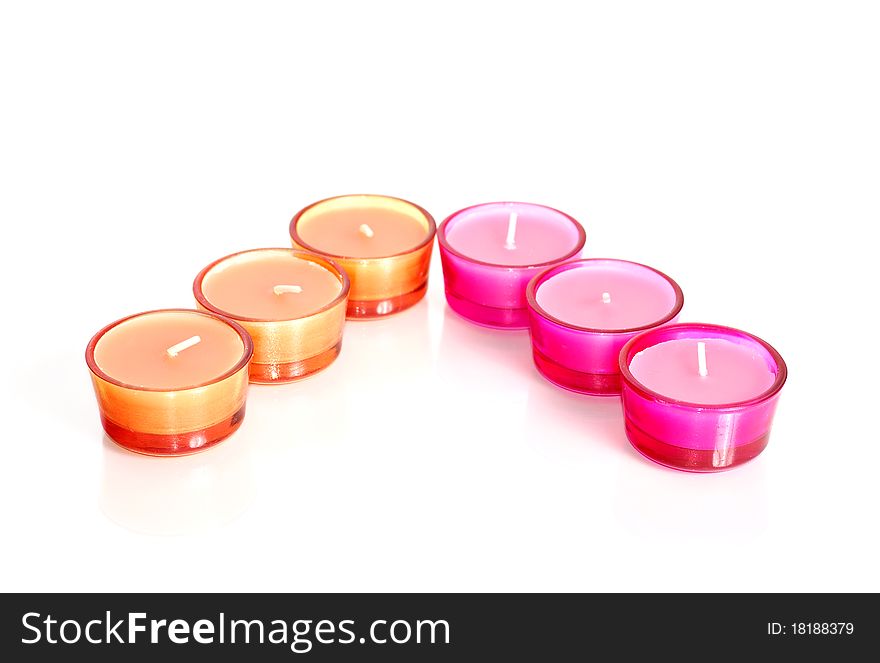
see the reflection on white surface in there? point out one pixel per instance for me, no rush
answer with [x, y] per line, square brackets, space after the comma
[175, 496]
[480, 373]
[653, 500]
[398, 345]
[472, 352]
[501, 362]
[561, 414]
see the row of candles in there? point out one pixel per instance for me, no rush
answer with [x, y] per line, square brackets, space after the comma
[696, 397]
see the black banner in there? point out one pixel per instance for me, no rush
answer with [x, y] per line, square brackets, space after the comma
[444, 627]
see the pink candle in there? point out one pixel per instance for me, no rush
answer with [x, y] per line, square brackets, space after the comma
[490, 252]
[582, 312]
[700, 397]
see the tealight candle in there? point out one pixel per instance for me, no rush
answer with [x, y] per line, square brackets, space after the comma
[700, 397]
[292, 304]
[491, 251]
[383, 243]
[170, 382]
[581, 313]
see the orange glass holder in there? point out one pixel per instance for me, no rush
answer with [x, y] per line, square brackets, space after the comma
[171, 422]
[289, 350]
[383, 285]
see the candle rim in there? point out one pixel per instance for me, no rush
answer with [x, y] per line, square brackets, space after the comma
[320, 260]
[247, 351]
[631, 381]
[431, 230]
[539, 279]
[444, 243]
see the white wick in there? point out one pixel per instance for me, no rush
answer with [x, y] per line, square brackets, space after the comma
[701, 359]
[175, 350]
[366, 231]
[510, 242]
[606, 297]
[284, 289]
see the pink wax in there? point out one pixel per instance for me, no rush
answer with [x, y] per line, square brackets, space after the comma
[541, 234]
[490, 252]
[734, 372]
[609, 295]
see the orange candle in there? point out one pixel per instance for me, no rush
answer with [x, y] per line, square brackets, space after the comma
[292, 303]
[383, 243]
[170, 382]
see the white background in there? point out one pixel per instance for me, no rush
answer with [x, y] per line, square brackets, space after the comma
[734, 146]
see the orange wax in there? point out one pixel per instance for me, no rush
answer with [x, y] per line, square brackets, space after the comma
[134, 352]
[384, 244]
[359, 227]
[270, 285]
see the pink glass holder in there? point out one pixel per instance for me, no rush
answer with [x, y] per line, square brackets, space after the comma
[691, 436]
[579, 358]
[488, 294]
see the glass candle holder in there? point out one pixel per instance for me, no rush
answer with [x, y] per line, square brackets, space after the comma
[384, 244]
[581, 313]
[170, 382]
[292, 304]
[490, 252]
[699, 397]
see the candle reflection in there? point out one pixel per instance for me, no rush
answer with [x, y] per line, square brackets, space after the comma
[174, 496]
[398, 351]
[494, 363]
[554, 413]
[727, 505]
[482, 353]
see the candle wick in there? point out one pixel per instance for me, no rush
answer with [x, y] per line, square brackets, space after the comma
[366, 231]
[701, 359]
[510, 242]
[175, 350]
[606, 297]
[284, 289]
